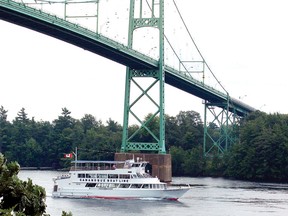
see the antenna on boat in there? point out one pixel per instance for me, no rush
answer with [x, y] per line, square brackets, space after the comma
[75, 153]
[76, 158]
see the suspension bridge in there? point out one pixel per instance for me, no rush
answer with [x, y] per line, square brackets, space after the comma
[132, 33]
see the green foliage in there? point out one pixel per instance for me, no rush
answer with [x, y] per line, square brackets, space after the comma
[21, 197]
[43, 144]
[187, 163]
[215, 166]
[66, 214]
[260, 153]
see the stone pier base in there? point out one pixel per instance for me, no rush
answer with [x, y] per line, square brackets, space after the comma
[161, 163]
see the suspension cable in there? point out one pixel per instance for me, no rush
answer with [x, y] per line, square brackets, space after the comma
[197, 46]
[175, 53]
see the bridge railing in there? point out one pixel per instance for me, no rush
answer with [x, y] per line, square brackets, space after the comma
[147, 61]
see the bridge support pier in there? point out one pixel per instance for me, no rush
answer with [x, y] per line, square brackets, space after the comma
[161, 163]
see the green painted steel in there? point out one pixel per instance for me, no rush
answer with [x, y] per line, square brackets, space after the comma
[62, 29]
[224, 132]
[130, 140]
[139, 66]
[84, 15]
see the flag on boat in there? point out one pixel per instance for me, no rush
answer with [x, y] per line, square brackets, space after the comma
[70, 155]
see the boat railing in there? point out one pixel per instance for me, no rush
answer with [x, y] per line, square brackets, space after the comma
[86, 166]
[106, 165]
[73, 168]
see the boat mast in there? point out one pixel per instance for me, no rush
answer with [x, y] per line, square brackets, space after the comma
[76, 158]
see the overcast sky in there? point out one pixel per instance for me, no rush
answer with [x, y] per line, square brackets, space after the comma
[244, 42]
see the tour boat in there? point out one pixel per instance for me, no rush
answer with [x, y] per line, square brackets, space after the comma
[128, 179]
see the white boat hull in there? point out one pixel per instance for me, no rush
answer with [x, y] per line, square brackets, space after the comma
[94, 193]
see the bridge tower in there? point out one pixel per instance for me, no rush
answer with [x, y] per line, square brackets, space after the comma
[131, 142]
[222, 131]
[152, 150]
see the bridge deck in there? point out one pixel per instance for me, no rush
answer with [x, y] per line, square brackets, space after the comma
[74, 34]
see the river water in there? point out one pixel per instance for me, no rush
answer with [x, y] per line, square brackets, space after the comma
[207, 197]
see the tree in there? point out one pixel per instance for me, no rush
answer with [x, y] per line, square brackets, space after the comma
[21, 197]
[263, 149]
[19, 134]
[172, 131]
[4, 129]
[194, 163]
[42, 134]
[178, 156]
[62, 135]
[88, 122]
[190, 129]
[113, 126]
[64, 121]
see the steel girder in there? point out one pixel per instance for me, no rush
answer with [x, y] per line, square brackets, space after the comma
[222, 131]
[129, 141]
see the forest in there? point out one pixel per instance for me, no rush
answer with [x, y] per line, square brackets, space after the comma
[260, 153]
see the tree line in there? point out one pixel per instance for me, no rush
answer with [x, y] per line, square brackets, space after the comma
[260, 154]
[18, 197]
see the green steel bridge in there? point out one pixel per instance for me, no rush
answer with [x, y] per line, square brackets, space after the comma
[30, 14]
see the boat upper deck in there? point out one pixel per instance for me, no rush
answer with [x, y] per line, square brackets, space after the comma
[81, 165]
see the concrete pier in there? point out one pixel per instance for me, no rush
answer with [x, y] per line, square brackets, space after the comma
[161, 163]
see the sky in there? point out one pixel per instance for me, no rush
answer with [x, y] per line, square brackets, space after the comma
[244, 43]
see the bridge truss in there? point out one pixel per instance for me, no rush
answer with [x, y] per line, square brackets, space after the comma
[143, 14]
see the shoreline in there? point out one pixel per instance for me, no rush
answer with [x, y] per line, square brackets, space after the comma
[37, 168]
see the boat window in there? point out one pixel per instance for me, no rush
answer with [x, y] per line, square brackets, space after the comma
[103, 185]
[55, 188]
[90, 185]
[113, 176]
[101, 175]
[156, 186]
[113, 185]
[135, 165]
[136, 185]
[124, 185]
[124, 176]
[145, 186]
[81, 175]
[90, 176]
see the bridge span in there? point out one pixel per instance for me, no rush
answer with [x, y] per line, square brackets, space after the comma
[138, 65]
[39, 21]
